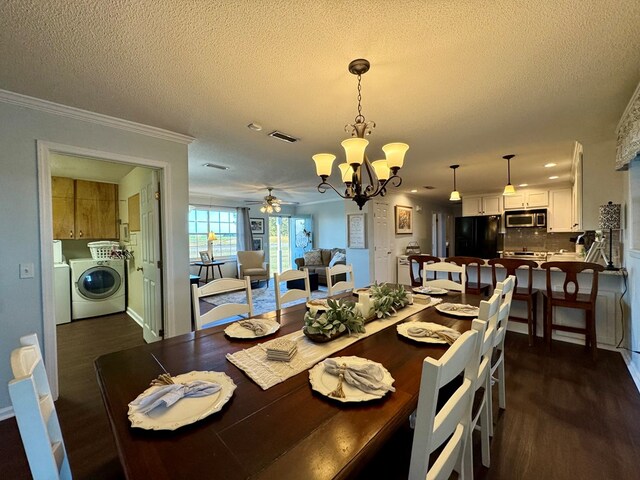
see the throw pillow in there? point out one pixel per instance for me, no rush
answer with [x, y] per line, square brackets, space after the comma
[312, 257]
[338, 258]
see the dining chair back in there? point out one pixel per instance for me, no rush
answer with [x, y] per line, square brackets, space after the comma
[416, 264]
[291, 294]
[342, 285]
[525, 293]
[571, 297]
[451, 422]
[36, 413]
[448, 283]
[225, 310]
[472, 265]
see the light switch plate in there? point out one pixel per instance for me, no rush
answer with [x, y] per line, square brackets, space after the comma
[26, 270]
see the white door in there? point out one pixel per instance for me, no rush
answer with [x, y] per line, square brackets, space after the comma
[381, 242]
[151, 259]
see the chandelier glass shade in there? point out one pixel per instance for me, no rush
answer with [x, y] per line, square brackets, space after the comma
[455, 194]
[509, 189]
[362, 179]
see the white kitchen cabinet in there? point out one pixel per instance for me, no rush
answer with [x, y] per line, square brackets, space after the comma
[481, 205]
[560, 212]
[524, 199]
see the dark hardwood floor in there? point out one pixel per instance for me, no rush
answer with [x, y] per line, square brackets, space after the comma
[566, 417]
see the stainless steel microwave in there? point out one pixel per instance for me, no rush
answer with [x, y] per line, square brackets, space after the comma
[525, 218]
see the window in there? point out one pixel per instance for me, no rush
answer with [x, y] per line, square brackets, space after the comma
[219, 220]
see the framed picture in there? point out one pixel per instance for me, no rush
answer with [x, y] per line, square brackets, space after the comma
[404, 219]
[356, 230]
[257, 243]
[257, 225]
[204, 256]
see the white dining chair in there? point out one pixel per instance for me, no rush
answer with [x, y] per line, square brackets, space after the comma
[449, 426]
[505, 289]
[226, 310]
[36, 413]
[291, 294]
[450, 269]
[480, 418]
[341, 285]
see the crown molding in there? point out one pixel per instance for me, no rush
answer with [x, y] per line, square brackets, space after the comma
[97, 118]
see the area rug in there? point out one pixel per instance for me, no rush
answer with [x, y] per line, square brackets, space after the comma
[264, 298]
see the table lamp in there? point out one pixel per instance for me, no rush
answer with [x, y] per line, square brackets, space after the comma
[610, 219]
[210, 239]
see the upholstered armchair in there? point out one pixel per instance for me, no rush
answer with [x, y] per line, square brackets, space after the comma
[252, 263]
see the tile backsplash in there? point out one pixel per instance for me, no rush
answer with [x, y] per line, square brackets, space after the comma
[538, 239]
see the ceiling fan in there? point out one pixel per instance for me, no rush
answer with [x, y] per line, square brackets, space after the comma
[270, 203]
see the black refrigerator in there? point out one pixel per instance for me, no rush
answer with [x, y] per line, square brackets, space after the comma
[477, 236]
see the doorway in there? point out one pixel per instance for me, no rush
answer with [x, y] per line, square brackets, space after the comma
[279, 235]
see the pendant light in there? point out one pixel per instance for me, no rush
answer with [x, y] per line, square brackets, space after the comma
[455, 194]
[509, 189]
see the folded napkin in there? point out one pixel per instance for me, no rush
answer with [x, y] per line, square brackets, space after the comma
[167, 395]
[367, 377]
[256, 326]
[447, 334]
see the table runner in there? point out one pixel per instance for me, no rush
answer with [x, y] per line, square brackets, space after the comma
[253, 361]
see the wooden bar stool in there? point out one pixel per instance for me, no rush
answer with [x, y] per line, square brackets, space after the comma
[571, 297]
[525, 293]
[476, 287]
[420, 260]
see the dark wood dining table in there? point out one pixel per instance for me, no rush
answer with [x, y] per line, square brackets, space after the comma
[287, 431]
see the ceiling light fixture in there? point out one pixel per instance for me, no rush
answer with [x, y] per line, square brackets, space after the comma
[549, 165]
[455, 194]
[379, 173]
[509, 189]
[271, 203]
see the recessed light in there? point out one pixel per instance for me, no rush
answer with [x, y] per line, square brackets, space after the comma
[549, 165]
[414, 191]
[553, 177]
[254, 126]
[523, 185]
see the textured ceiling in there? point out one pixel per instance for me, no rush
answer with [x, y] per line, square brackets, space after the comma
[459, 81]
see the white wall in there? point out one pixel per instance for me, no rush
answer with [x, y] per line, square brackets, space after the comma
[21, 305]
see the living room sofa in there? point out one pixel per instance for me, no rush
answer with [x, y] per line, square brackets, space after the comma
[317, 261]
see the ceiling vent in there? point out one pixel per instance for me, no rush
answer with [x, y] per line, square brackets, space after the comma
[213, 165]
[283, 136]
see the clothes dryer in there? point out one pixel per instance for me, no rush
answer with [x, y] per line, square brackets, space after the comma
[97, 287]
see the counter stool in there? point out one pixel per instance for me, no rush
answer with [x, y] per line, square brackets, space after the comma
[571, 298]
[420, 260]
[525, 293]
[476, 287]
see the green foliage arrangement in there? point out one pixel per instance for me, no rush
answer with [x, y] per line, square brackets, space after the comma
[339, 318]
[387, 299]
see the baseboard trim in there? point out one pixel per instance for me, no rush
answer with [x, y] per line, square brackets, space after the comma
[634, 369]
[135, 317]
[6, 413]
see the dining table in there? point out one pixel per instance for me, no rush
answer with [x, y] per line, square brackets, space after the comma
[287, 431]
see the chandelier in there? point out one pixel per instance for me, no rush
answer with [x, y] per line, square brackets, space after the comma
[270, 203]
[363, 179]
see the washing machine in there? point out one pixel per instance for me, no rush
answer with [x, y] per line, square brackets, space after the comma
[97, 287]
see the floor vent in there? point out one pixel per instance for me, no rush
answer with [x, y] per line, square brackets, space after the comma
[283, 136]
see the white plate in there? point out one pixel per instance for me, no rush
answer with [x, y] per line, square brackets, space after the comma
[325, 383]
[186, 410]
[450, 309]
[404, 327]
[430, 290]
[235, 330]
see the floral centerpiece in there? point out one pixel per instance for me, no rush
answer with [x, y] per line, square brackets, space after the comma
[338, 318]
[388, 299]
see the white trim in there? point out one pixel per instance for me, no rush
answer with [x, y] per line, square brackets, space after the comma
[6, 413]
[135, 317]
[634, 370]
[79, 114]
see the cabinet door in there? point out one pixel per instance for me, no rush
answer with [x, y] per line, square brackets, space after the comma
[514, 202]
[96, 214]
[62, 203]
[538, 199]
[471, 206]
[491, 205]
[560, 213]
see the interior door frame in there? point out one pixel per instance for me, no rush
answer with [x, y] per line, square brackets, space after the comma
[44, 150]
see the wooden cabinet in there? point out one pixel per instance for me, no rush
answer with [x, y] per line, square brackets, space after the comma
[481, 205]
[560, 212]
[84, 210]
[524, 199]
